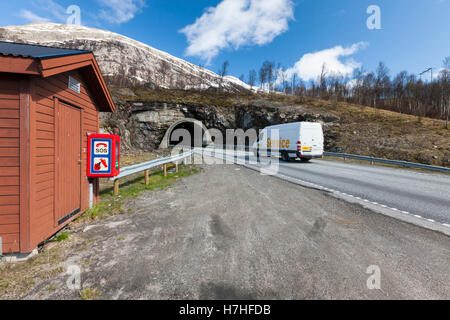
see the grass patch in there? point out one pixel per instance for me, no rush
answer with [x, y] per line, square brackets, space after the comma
[89, 294]
[111, 205]
[130, 159]
[62, 236]
[103, 209]
[17, 278]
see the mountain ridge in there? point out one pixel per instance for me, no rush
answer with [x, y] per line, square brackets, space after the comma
[123, 61]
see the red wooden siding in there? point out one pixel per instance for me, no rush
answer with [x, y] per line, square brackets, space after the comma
[9, 163]
[48, 96]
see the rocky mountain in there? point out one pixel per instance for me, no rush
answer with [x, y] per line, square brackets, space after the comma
[123, 61]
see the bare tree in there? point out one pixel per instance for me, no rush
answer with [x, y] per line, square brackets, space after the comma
[282, 80]
[251, 78]
[269, 68]
[262, 76]
[398, 88]
[223, 71]
[403, 93]
[382, 82]
[294, 83]
[358, 76]
[323, 81]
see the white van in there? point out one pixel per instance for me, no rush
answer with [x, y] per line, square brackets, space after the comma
[302, 140]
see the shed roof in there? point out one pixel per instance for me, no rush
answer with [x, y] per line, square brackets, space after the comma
[36, 60]
[35, 51]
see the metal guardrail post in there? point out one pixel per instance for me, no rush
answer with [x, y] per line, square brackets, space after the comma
[165, 169]
[91, 193]
[147, 180]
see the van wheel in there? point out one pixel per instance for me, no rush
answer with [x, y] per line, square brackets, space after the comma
[285, 156]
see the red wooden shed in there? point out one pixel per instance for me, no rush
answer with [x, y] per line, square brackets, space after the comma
[50, 99]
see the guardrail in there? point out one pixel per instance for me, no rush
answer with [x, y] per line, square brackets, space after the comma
[146, 166]
[387, 161]
[363, 158]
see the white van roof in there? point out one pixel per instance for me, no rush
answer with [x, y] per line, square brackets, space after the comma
[296, 124]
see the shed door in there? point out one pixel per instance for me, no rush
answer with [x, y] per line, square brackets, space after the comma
[68, 163]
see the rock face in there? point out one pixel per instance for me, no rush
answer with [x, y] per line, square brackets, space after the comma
[143, 125]
[123, 61]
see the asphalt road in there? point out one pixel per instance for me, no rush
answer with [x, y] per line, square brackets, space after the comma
[231, 233]
[415, 192]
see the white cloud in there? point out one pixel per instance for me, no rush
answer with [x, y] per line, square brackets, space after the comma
[120, 11]
[55, 9]
[234, 23]
[310, 65]
[113, 11]
[32, 17]
[53, 12]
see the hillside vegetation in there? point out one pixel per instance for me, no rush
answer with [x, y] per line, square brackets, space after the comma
[358, 130]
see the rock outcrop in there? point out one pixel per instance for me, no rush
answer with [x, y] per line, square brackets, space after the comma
[143, 124]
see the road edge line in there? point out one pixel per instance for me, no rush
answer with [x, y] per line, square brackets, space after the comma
[377, 208]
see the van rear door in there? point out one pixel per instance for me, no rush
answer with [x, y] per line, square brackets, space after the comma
[312, 139]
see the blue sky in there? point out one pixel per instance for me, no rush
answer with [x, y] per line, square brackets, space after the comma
[301, 35]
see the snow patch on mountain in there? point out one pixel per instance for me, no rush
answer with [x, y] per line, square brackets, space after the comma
[123, 61]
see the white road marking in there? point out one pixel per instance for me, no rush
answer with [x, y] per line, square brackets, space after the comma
[365, 200]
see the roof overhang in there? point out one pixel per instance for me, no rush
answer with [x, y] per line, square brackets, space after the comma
[51, 66]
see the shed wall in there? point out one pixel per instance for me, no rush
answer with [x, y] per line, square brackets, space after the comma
[46, 94]
[9, 162]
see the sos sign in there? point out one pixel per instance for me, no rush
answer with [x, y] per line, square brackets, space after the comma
[103, 155]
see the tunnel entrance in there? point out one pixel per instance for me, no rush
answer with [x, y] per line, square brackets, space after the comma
[184, 132]
[177, 136]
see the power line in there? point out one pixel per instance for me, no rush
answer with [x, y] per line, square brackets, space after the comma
[429, 69]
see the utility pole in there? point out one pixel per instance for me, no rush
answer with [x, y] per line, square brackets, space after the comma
[429, 69]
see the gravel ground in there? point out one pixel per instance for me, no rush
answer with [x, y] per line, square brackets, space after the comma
[231, 233]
